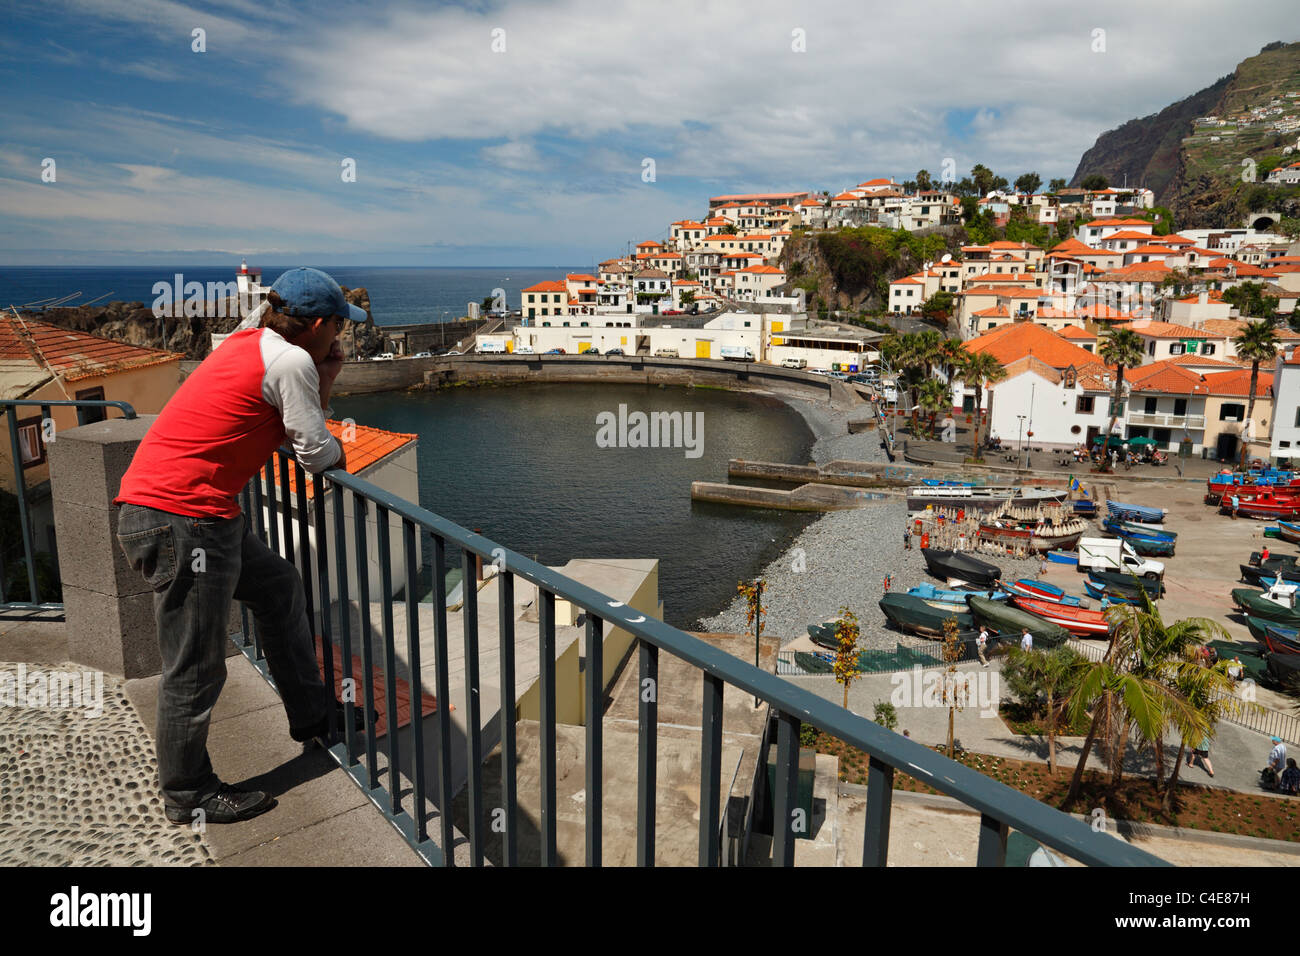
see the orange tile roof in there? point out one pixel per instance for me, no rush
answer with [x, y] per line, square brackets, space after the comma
[1164, 376]
[1150, 250]
[1074, 332]
[1212, 295]
[1117, 222]
[1031, 364]
[1008, 343]
[993, 312]
[367, 447]
[1129, 234]
[1013, 293]
[551, 285]
[1164, 330]
[579, 277]
[1137, 272]
[1173, 239]
[846, 197]
[73, 356]
[764, 270]
[1201, 361]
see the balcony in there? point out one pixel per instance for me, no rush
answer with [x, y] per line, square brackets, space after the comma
[1160, 420]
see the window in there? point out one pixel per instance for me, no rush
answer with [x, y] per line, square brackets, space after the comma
[1177, 348]
[1150, 407]
[1284, 444]
[1151, 348]
[86, 416]
[1232, 413]
[1083, 404]
[30, 445]
[1180, 406]
[1297, 418]
[1207, 348]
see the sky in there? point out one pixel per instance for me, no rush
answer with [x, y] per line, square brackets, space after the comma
[536, 133]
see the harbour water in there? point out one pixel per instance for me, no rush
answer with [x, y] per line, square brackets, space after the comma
[398, 296]
[523, 465]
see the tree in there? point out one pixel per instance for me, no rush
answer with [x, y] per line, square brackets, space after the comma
[1056, 185]
[1000, 184]
[965, 187]
[923, 180]
[979, 369]
[1123, 349]
[1209, 691]
[1094, 182]
[935, 397]
[846, 651]
[1249, 300]
[1050, 673]
[983, 178]
[952, 354]
[1028, 183]
[728, 230]
[955, 692]
[938, 306]
[1257, 343]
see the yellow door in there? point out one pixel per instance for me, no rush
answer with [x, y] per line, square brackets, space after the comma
[583, 346]
[510, 345]
[778, 326]
[622, 340]
[703, 348]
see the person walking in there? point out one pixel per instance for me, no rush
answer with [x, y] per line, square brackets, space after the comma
[262, 387]
[907, 538]
[1202, 751]
[1277, 756]
[1026, 641]
[1235, 503]
[1263, 555]
[1290, 782]
[981, 645]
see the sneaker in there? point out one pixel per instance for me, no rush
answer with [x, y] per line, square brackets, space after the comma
[227, 805]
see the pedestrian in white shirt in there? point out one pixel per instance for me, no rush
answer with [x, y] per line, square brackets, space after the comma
[1026, 641]
[981, 644]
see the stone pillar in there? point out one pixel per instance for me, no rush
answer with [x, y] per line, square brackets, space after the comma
[108, 606]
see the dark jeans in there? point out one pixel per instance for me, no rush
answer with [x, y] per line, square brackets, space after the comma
[196, 567]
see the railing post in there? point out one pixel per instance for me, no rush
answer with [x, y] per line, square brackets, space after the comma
[412, 567]
[993, 842]
[367, 651]
[787, 768]
[442, 682]
[473, 734]
[345, 619]
[880, 800]
[647, 742]
[509, 797]
[710, 769]
[595, 715]
[546, 683]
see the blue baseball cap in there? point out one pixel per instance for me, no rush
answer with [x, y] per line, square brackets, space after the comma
[310, 293]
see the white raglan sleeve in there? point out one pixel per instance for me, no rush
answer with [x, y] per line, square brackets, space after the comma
[292, 386]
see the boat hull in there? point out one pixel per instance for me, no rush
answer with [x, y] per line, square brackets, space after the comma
[1147, 546]
[1288, 532]
[1139, 514]
[1281, 640]
[1120, 528]
[1076, 620]
[1103, 592]
[909, 613]
[1041, 591]
[981, 499]
[957, 566]
[1256, 605]
[1012, 620]
[1030, 540]
[1264, 577]
[1127, 583]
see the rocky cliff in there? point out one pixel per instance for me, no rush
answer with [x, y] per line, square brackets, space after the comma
[134, 323]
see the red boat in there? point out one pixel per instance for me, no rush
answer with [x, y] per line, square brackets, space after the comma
[1076, 620]
[1267, 505]
[1215, 490]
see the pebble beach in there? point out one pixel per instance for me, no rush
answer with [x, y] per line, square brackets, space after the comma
[842, 558]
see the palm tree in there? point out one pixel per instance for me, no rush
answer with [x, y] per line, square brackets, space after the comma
[934, 397]
[952, 353]
[1052, 672]
[1257, 342]
[1209, 691]
[979, 369]
[1123, 349]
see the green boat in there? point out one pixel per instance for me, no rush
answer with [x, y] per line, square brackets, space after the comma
[910, 613]
[1012, 620]
[1257, 625]
[1257, 604]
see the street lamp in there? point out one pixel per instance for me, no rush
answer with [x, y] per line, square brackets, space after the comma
[1020, 430]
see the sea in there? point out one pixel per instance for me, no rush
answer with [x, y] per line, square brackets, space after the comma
[398, 295]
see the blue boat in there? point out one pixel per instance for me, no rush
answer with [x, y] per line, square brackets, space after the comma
[1042, 591]
[1289, 531]
[1063, 557]
[928, 592]
[1085, 508]
[1108, 597]
[1121, 528]
[1137, 513]
[941, 483]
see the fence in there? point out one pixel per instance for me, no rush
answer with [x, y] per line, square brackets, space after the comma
[40, 433]
[999, 806]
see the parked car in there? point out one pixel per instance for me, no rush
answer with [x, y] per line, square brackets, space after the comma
[840, 375]
[422, 355]
[554, 352]
[666, 353]
[592, 352]
[525, 350]
[794, 363]
[383, 357]
[671, 312]
[615, 351]
[455, 352]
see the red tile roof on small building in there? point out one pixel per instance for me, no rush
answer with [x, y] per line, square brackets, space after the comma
[70, 355]
[1008, 343]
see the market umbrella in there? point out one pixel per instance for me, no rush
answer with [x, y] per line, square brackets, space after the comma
[1143, 441]
[1115, 441]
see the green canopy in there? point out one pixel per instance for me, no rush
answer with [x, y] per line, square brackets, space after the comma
[1115, 441]
[1143, 441]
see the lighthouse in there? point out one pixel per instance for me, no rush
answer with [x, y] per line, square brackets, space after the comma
[248, 281]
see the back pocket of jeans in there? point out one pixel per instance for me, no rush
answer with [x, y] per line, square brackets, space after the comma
[153, 554]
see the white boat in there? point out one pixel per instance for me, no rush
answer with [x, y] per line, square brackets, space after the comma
[981, 498]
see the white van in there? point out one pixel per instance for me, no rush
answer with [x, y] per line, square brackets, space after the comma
[491, 348]
[666, 353]
[525, 350]
[383, 357]
[794, 363]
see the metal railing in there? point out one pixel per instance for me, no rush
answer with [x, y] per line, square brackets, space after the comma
[46, 433]
[1000, 807]
[1166, 420]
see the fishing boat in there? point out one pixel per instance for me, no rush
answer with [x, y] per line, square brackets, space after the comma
[1147, 545]
[1266, 504]
[1281, 640]
[1076, 620]
[1263, 577]
[909, 613]
[1128, 582]
[1012, 620]
[1273, 562]
[982, 498]
[823, 634]
[1119, 527]
[1041, 535]
[1276, 605]
[1085, 508]
[1041, 590]
[928, 592]
[941, 483]
[1288, 531]
[957, 567]
[1112, 595]
[1138, 514]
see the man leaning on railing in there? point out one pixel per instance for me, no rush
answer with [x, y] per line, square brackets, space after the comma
[182, 528]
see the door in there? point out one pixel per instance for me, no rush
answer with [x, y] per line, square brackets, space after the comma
[703, 348]
[1094, 431]
[1227, 447]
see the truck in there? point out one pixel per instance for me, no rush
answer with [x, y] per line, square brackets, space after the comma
[488, 348]
[737, 353]
[1115, 554]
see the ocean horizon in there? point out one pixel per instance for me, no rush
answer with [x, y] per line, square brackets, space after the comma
[399, 295]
